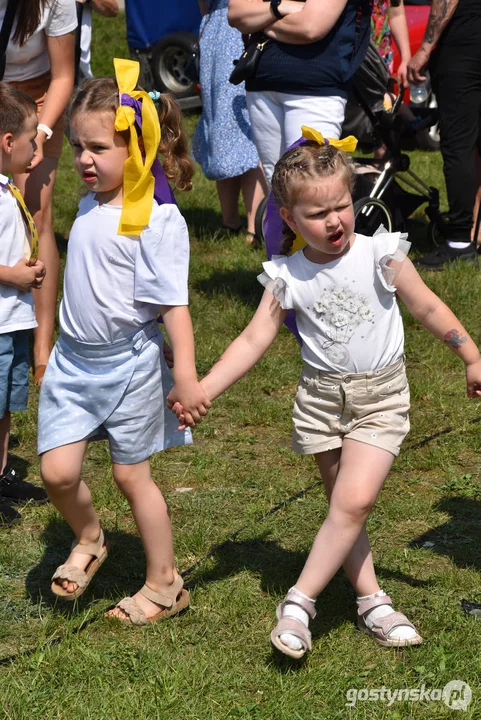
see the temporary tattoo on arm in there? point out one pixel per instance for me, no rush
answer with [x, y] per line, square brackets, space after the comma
[439, 17]
[454, 339]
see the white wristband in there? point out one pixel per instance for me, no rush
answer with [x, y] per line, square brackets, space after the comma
[48, 131]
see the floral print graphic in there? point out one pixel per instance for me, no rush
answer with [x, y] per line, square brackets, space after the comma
[341, 313]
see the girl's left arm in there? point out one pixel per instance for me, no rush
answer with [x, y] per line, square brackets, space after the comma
[61, 52]
[430, 311]
[187, 389]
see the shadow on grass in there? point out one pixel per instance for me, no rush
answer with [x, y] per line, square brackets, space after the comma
[238, 283]
[121, 575]
[202, 221]
[456, 538]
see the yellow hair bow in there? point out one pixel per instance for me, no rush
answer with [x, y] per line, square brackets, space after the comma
[347, 144]
[138, 179]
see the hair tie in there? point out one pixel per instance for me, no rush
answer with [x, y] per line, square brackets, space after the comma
[155, 95]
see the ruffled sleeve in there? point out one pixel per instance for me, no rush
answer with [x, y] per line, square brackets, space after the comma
[275, 279]
[390, 250]
[162, 262]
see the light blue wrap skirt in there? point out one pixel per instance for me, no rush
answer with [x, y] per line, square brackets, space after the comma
[115, 391]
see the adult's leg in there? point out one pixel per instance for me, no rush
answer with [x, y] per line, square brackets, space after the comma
[267, 121]
[228, 191]
[60, 469]
[152, 519]
[325, 114]
[458, 92]
[254, 188]
[37, 188]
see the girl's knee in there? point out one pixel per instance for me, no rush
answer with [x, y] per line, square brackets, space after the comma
[125, 478]
[58, 477]
[354, 510]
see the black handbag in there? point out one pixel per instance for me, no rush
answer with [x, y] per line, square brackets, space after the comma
[7, 25]
[246, 65]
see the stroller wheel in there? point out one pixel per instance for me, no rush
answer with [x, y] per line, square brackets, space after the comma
[434, 233]
[370, 214]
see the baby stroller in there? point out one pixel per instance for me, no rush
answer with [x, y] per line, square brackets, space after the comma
[387, 190]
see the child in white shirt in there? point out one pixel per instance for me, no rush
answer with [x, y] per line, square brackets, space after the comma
[352, 403]
[106, 377]
[19, 272]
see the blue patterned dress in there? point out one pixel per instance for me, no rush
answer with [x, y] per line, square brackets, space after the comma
[223, 144]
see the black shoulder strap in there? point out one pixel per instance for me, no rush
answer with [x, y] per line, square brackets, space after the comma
[7, 26]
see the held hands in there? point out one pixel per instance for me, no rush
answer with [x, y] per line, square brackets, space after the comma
[189, 402]
[473, 379]
[27, 274]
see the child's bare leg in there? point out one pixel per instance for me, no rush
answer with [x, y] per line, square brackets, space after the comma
[60, 469]
[152, 519]
[4, 438]
[362, 471]
[358, 565]
[353, 479]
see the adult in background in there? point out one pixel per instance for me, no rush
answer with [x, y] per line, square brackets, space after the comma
[108, 8]
[223, 144]
[40, 62]
[305, 70]
[388, 21]
[451, 47]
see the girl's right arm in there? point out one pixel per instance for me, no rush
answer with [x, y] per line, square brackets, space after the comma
[243, 353]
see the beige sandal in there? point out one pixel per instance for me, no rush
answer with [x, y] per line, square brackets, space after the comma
[173, 600]
[99, 552]
[383, 627]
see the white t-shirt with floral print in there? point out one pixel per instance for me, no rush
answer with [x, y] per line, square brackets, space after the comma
[346, 310]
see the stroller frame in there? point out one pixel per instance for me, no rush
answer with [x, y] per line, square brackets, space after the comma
[391, 201]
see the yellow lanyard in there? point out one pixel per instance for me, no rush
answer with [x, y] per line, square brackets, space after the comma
[27, 217]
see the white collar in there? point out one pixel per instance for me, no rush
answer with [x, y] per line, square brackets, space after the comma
[4, 180]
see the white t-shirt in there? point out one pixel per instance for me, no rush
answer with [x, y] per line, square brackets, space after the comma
[16, 307]
[346, 310]
[114, 284]
[59, 17]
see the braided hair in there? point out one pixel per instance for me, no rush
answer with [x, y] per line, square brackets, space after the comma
[296, 168]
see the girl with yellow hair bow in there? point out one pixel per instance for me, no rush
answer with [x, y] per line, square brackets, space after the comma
[107, 378]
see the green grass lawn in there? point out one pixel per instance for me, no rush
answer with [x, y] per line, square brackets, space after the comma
[245, 509]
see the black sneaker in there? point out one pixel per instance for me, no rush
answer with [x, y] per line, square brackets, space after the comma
[8, 516]
[446, 255]
[15, 490]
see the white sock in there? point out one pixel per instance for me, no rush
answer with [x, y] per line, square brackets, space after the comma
[403, 632]
[458, 244]
[295, 611]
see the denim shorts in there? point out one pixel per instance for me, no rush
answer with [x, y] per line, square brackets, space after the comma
[371, 407]
[14, 369]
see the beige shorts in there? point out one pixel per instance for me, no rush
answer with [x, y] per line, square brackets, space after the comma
[371, 407]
